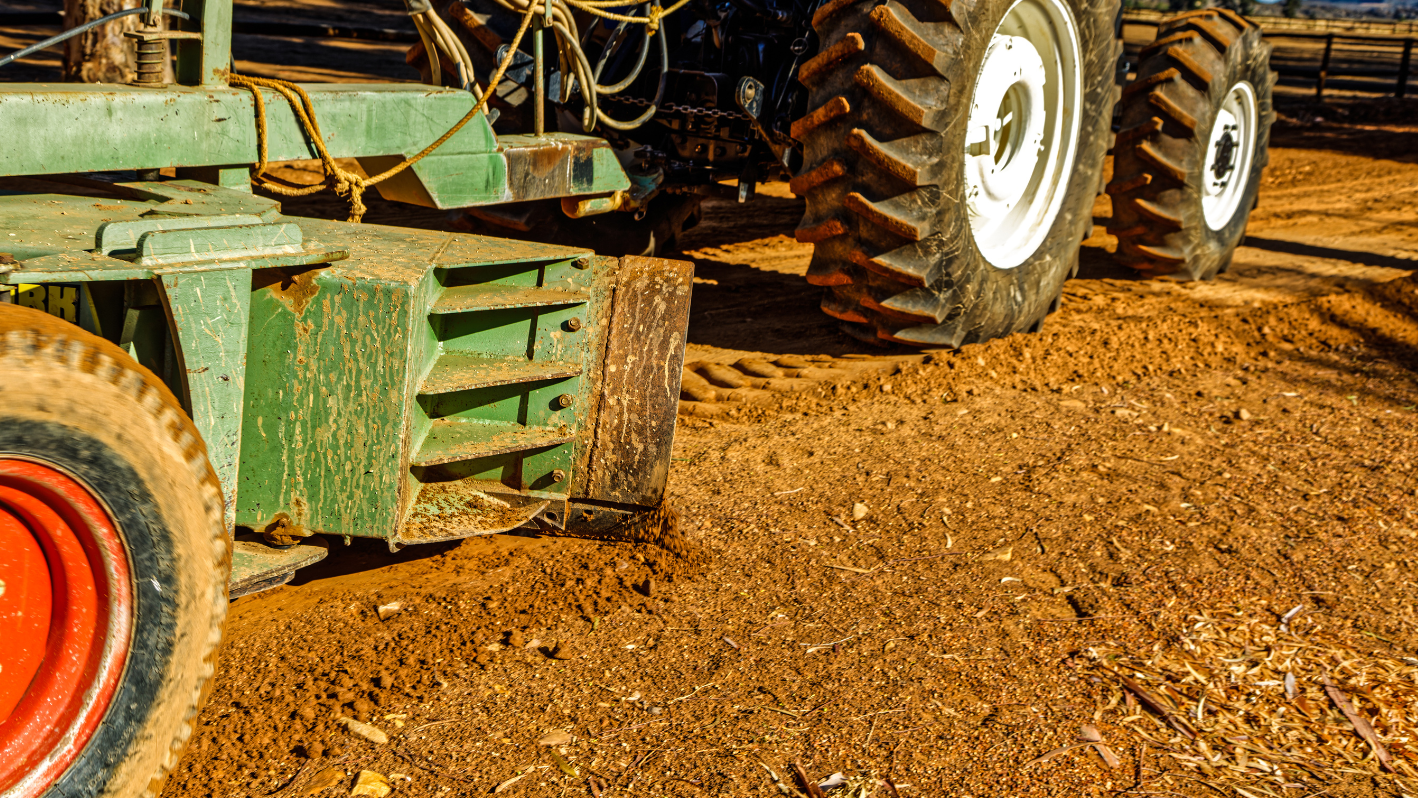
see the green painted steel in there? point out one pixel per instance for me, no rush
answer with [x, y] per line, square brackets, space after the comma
[208, 311]
[89, 128]
[409, 385]
[348, 379]
[205, 62]
[202, 123]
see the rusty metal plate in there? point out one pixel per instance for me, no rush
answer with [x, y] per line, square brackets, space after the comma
[635, 422]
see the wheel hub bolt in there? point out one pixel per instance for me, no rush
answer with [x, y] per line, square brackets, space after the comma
[573, 324]
[565, 400]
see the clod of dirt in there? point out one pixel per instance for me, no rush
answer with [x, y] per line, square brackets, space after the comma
[557, 737]
[646, 588]
[368, 732]
[859, 511]
[371, 785]
[561, 651]
[324, 780]
[387, 611]
[515, 639]
[1001, 554]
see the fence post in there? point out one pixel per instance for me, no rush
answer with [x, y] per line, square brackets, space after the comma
[1324, 66]
[1403, 68]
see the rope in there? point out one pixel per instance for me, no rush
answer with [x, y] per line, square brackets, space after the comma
[351, 185]
[652, 20]
[346, 184]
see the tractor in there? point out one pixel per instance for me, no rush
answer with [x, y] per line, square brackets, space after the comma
[200, 394]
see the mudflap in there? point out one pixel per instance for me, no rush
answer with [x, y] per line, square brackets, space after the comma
[628, 463]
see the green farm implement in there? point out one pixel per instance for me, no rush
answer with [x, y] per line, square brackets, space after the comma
[195, 388]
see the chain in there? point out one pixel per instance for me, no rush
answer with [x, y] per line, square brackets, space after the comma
[682, 109]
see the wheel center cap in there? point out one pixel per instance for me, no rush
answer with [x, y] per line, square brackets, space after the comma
[1006, 127]
[1225, 155]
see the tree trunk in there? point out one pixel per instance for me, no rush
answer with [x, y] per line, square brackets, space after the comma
[102, 55]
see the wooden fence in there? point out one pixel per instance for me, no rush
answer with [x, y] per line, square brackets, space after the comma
[1365, 63]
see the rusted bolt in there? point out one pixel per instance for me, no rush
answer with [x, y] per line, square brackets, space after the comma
[558, 476]
[573, 324]
[583, 262]
[565, 400]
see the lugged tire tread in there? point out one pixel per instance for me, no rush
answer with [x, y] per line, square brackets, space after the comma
[33, 340]
[831, 170]
[850, 45]
[1193, 55]
[888, 267]
[1171, 110]
[1188, 65]
[828, 111]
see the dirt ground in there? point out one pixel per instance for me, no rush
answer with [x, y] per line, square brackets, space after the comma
[1179, 506]
[934, 575]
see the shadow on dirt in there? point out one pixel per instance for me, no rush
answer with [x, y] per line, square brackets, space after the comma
[276, 56]
[738, 306]
[1348, 128]
[1096, 263]
[1372, 325]
[364, 555]
[1348, 255]
[724, 222]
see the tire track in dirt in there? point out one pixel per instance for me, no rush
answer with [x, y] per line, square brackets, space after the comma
[1160, 450]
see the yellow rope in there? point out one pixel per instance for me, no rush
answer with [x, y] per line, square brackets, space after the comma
[345, 183]
[652, 19]
[351, 185]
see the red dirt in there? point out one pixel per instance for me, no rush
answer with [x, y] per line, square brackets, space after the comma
[1159, 451]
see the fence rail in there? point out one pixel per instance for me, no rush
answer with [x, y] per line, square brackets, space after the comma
[1380, 64]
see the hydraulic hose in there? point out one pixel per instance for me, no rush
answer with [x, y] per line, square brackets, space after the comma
[659, 91]
[634, 73]
[72, 32]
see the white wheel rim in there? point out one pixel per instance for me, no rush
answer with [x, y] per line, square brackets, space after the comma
[1229, 153]
[1022, 135]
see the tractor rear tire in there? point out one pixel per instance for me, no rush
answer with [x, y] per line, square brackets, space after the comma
[111, 522]
[952, 156]
[1194, 138]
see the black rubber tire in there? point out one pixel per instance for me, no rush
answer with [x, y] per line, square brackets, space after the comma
[883, 170]
[75, 401]
[1166, 119]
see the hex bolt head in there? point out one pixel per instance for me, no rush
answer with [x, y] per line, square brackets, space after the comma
[558, 476]
[583, 262]
[573, 324]
[565, 400]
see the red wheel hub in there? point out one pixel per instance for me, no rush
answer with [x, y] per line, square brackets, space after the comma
[65, 618]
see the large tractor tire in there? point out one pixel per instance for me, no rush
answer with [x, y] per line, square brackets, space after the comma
[114, 561]
[1194, 138]
[952, 155]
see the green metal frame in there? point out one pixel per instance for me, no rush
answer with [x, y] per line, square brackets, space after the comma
[350, 379]
[364, 380]
[201, 121]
